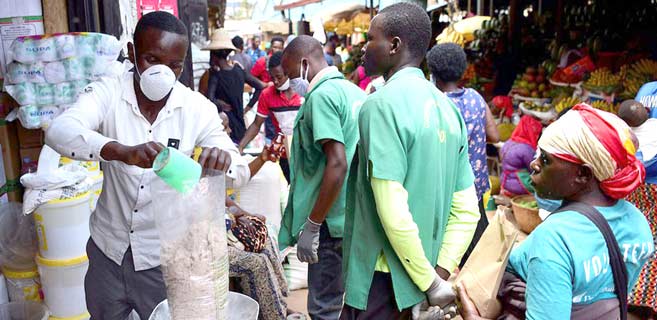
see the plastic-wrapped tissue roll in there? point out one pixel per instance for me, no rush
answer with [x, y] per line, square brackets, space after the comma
[24, 50]
[55, 72]
[45, 93]
[74, 69]
[29, 116]
[24, 93]
[16, 72]
[108, 47]
[86, 44]
[65, 93]
[65, 45]
[46, 50]
[33, 117]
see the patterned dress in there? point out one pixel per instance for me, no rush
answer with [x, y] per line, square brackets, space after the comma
[473, 110]
[261, 277]
[644, 293]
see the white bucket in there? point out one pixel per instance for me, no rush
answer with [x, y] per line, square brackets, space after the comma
[23, 285]
[63, 286]
[23, 311]
[63, 227]
[84, 316]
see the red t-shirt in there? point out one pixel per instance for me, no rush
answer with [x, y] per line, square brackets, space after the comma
[260, 70]
[284, 110]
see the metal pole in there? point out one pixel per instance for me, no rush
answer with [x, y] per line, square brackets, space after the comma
[480, 7]
[371, 9]
[491, 8]
[469, 6]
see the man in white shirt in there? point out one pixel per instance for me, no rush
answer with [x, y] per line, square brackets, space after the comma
[124, 122]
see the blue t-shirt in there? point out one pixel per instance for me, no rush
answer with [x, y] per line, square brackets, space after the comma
[565, 259]
[647, 95]
[473, 109]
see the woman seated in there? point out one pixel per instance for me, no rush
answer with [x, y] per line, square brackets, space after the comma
[255, 262]
[563, 268]
[517, 153]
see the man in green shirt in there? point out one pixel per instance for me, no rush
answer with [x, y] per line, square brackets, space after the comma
[323, 145]
[412, 207]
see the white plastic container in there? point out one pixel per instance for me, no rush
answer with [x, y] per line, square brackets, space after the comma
[62, 283]
[63, 227]
[84, 316]
[23, 311]
[22, 285]
[238, 307]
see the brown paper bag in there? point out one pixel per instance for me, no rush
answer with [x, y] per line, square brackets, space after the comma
[483, 271]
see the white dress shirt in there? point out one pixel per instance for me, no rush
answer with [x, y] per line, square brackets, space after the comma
[108, 111]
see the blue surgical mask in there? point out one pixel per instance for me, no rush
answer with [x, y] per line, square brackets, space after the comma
[300, 85]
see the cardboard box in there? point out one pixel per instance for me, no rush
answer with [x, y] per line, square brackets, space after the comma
[29, 159]
[7, 103]
[30, 138]
[10, 150]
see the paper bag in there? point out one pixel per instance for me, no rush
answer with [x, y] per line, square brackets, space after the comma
[482, 273]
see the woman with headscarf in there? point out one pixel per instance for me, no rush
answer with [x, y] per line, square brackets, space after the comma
[586, 159]
[517, 154]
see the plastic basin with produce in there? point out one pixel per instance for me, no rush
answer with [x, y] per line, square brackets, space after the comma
[23, 311]
[525, 211]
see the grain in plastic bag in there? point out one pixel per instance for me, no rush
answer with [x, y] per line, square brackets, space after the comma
[193, 255]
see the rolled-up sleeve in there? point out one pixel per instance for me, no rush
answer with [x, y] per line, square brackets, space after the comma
[213, 136]
[74, 134]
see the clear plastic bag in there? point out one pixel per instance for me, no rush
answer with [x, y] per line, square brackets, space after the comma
[18, 241]
[194, 254]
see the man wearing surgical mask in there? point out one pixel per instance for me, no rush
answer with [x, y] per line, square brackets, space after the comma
[124, 121]
[279, 103]
[323, 146]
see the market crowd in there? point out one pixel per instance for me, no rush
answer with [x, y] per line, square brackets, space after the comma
[377, 178]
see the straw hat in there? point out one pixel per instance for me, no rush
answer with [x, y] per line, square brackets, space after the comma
[220, 40]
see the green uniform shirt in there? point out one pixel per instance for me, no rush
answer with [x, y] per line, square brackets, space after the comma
[413, 134]
[329, 112]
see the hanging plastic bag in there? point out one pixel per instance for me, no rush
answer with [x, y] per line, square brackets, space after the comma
[18, 241]
[194, 253]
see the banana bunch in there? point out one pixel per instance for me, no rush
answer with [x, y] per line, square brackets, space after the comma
[634, 76]
[566, 103]
[604, 106]
[451, 35]
[643, 69]
[603, 79]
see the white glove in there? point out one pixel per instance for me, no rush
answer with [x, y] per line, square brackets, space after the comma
[440, 293]
[422, 311]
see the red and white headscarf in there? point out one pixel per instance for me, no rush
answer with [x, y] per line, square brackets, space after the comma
[601, 140]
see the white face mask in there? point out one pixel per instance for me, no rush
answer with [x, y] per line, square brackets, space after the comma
[157, 81]
[284, 86]
[300, 85]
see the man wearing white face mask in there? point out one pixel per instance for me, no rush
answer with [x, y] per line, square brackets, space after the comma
[324, 144]
[124, 121]
[280, 103]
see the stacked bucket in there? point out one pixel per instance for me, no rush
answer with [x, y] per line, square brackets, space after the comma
[63, 231]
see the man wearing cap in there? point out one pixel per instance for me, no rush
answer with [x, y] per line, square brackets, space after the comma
[124, 121]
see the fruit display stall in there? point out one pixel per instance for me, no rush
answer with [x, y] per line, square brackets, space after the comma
[604, 55]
